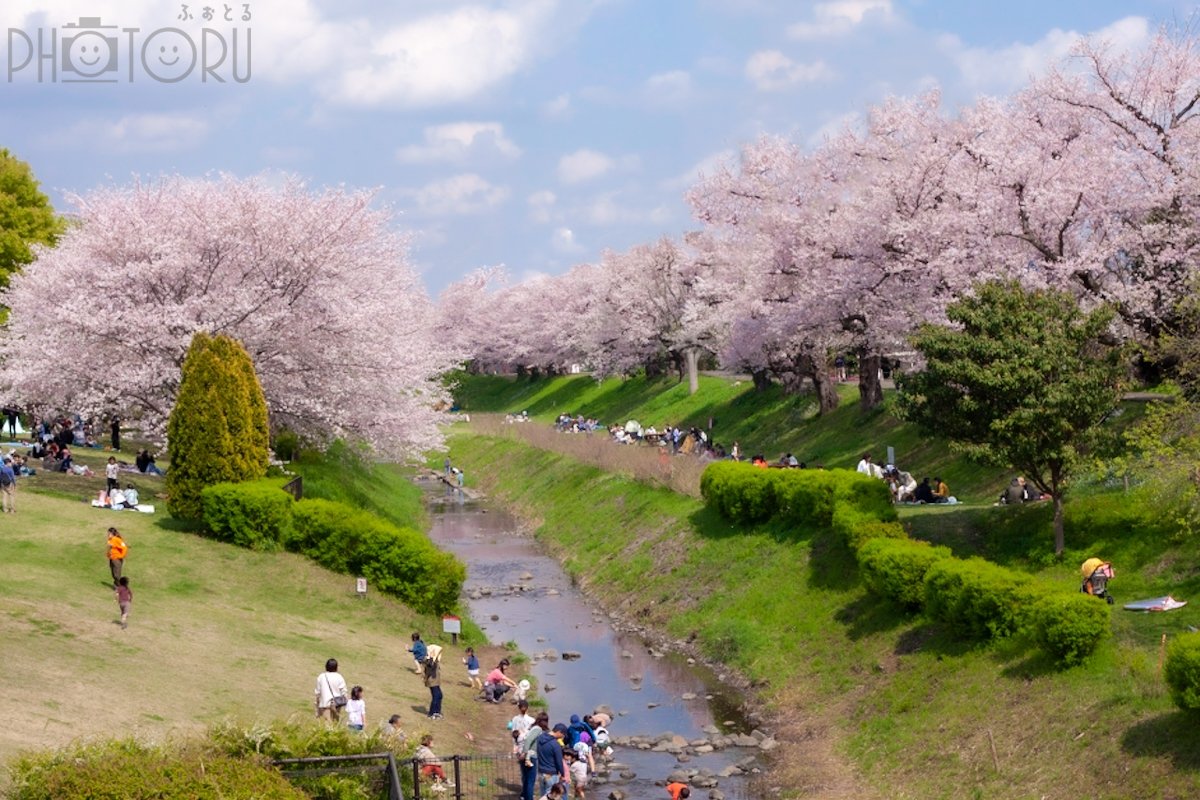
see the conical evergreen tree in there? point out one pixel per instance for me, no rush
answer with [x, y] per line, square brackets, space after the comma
[218, 430]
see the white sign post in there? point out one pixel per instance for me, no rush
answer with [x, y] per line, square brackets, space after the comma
[453, 626]
[360, 586]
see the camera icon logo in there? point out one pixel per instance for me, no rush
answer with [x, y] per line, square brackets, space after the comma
[89, 49]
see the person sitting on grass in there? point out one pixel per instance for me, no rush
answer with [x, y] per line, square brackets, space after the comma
[924, 492]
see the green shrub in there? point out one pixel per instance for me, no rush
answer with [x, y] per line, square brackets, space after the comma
[121, 769]
[217, 431]
[398, 561]
[257, 514]
[978, 599]
[1183, 671]
[805, 497]
[741, 492]
[1070, 626]
[895, 568]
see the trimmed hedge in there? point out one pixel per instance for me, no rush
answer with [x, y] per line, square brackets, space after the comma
[1182, 671]
[1070, 626]
[399, 561]
[836, 498]
[975, 598]
[978, 599]
[895, 568]
[257, 514]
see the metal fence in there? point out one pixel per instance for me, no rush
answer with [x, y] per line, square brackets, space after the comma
[380, 772]
[473, 778]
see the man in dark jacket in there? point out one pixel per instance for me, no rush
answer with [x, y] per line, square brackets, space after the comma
[550, 765]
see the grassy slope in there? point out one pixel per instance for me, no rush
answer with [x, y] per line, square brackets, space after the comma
[765, 422]
[920, 715]
[216, 630]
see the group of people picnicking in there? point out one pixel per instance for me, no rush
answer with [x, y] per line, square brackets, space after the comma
[675, 439]
[904, 487]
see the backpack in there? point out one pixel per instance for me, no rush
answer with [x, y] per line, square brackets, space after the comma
[430, 668]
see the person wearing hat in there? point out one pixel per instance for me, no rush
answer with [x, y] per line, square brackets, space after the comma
[433, 679]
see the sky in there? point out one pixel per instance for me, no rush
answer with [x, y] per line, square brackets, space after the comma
[528, 134]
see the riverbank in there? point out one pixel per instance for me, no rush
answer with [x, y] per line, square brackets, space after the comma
[868, 702]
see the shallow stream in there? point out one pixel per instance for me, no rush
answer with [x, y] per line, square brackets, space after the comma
[519, 594]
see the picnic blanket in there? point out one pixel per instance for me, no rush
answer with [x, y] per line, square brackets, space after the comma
[1167, 603]
[145, 508]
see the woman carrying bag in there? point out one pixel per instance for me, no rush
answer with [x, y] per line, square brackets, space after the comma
[331, 692]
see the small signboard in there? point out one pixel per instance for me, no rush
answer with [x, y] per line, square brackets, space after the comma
[360, 586]
[451, 624]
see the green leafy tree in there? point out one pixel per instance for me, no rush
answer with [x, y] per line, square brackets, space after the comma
[26, 217]
[218, 430]
[1018, 379]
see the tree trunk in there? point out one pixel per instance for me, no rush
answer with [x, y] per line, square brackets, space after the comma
[693, 370]
[870, 390]
[521, 371]
[826, 389]
[1059, 537]
[762, 379]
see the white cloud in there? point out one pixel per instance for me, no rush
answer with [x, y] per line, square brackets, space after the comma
[558, 107]
[137, 133]
[772, 71]
[563, 241]
[541, 205]
[669, 88]
[839, 17]
[460, 194]
[458, 141]
[1006, 68]
[442, 58]
[703, 168]
[610, 209]
[583, 165]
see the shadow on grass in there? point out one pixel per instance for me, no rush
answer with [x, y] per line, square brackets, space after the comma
[869, 615]
[931, 637]
[1174, 735]
[177, 525]
[833, 565]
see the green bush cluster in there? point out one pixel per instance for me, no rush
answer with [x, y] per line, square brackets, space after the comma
[747, 494]
[975, 598]
[978, 599]
[1069, 626]
[399, 561]
[1182, 671]
[895, 568]
[120, 769]
[218, 430]
[256, 514]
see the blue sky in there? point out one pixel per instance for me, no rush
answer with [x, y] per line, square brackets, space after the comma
[528, 133]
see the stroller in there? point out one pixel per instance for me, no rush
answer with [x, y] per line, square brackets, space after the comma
[1095, 578]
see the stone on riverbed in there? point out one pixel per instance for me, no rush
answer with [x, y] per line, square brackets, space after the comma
[571, 655]
[687, 696]
[616, 794]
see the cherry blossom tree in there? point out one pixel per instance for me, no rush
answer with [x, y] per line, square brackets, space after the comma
[316, 285]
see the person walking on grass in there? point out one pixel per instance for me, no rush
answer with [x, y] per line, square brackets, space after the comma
[117, 550]
[111, 473]
[331, 692]
[419, 652]
[433, 680]
[8, 485]
[472, 663]
[124, 600]
[356, 710]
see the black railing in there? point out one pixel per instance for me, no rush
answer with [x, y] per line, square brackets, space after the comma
[295, 487]
[383, 777]
[472, 778]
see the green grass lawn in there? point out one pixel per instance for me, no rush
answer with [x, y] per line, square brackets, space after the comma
[917, 713]
[767, 422]
[215, 630]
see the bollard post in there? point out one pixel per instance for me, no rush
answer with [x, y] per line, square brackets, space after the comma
[457, 779]
[416, 780]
